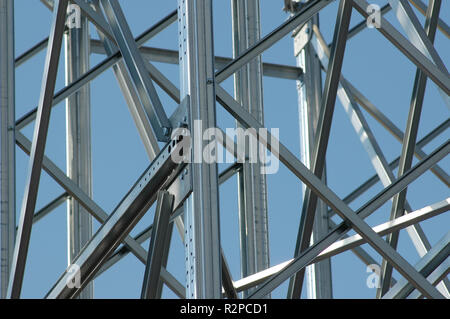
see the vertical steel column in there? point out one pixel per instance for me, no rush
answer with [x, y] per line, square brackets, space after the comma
[197, 81]
[7, 142]
[309, 85]
[78, 139]
[251, 183]
[321, 138]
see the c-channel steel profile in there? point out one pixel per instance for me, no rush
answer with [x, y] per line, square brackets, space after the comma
[146, 233]
[372, 110]
[165, 275]
[313, 251]
[96, 18]
[108, 62]
[400, 44]
[416, 34]
[252, 208]
[197, 79]
[92, 16]
[97, 70]
[439, 274]
[426, 265]
[321, 137]
[409, 142]
[37, 151]
[331, 199]
[128, 212]
[65, 182]
[369, 142]
[355, 30]
[351, 242]
[135, 107]
[375, 178]
[245, 198]
[424, 138]
[402, 222]
[96, 211]
[414, 30]
[422, 8]
[439, 77]
[153, 54]
[171, 57]
[309, 87]
[7, 142]
[78, 139]
[303, 16]
[394, 130]
[136, 67]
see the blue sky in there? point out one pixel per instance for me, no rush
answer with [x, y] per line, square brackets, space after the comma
[371, 63]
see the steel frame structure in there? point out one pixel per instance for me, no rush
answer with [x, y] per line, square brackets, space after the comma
[187, 194]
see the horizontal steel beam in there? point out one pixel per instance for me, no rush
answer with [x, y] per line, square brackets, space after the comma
[281, 71]
[350, 242]
[387, 228]
[171, 57]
